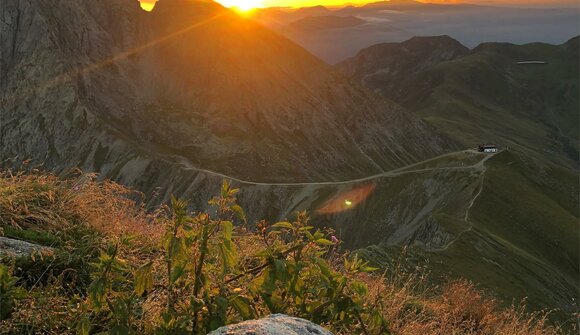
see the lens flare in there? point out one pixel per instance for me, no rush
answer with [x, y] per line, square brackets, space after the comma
[347, 200]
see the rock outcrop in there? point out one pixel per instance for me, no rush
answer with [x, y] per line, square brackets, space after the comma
[277, 324]
[11, 248]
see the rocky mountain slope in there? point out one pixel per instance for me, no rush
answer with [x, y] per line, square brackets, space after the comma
[113, 89]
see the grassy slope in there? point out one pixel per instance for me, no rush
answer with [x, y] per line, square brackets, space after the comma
[486, 96]
[523, 242]
[521, 245]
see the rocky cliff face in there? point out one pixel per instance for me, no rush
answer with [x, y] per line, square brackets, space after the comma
[110, 88]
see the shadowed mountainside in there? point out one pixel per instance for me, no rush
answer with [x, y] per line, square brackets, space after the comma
[113, 89]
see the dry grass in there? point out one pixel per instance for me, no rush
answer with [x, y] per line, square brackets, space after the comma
[44, 202]
[414, 307]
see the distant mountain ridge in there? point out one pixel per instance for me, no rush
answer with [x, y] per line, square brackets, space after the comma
[389, 21]
[389, 68]
[447, 83]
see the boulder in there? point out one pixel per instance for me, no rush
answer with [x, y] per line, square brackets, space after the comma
[15, 248]
[277, 324]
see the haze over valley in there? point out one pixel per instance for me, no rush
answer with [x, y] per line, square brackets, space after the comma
[381, 22]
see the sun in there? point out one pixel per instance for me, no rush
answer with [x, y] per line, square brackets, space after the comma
[148, 5]
[243, 6]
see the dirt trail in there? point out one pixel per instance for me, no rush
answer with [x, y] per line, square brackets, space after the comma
[481, 166]
[393, 173]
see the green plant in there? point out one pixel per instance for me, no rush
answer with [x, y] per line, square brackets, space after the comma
[297, 279]
[206, 284]
[9, 292]
[111, 295]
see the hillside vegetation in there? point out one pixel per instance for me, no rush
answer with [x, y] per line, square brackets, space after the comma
[521, 240]
[114, 267]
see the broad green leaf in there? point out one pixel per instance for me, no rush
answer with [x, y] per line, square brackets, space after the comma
[225, 188]
[359, 287]
[242, 305]
[324, 268]
[97, 293]
[228, 229]
[222, 302]
[228, 254]
[144, 279]
[368, 269]
[318, 234]
[324, 241]
[177, 272]
[239, 212]
[265, 253]
[83, 326]
[280, 269]
[287, 225]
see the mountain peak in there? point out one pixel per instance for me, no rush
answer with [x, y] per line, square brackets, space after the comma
[393, 3]
[190, 85]
[440, 39]
[383, 65]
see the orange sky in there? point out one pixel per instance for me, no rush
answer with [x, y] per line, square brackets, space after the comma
[304, 3]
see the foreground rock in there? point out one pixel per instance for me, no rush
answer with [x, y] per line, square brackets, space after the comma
[15, 248]
[277, 324]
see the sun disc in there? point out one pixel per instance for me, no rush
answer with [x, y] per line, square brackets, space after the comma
[242, 5]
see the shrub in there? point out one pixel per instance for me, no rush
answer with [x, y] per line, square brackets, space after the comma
[9, 293]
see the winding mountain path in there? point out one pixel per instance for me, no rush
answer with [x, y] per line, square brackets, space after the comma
[466, 219]
[393, 173]
[481, 166]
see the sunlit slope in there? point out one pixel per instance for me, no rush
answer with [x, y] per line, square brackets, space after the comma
[114, 89]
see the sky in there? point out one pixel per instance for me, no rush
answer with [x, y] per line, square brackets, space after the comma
[246, 4]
